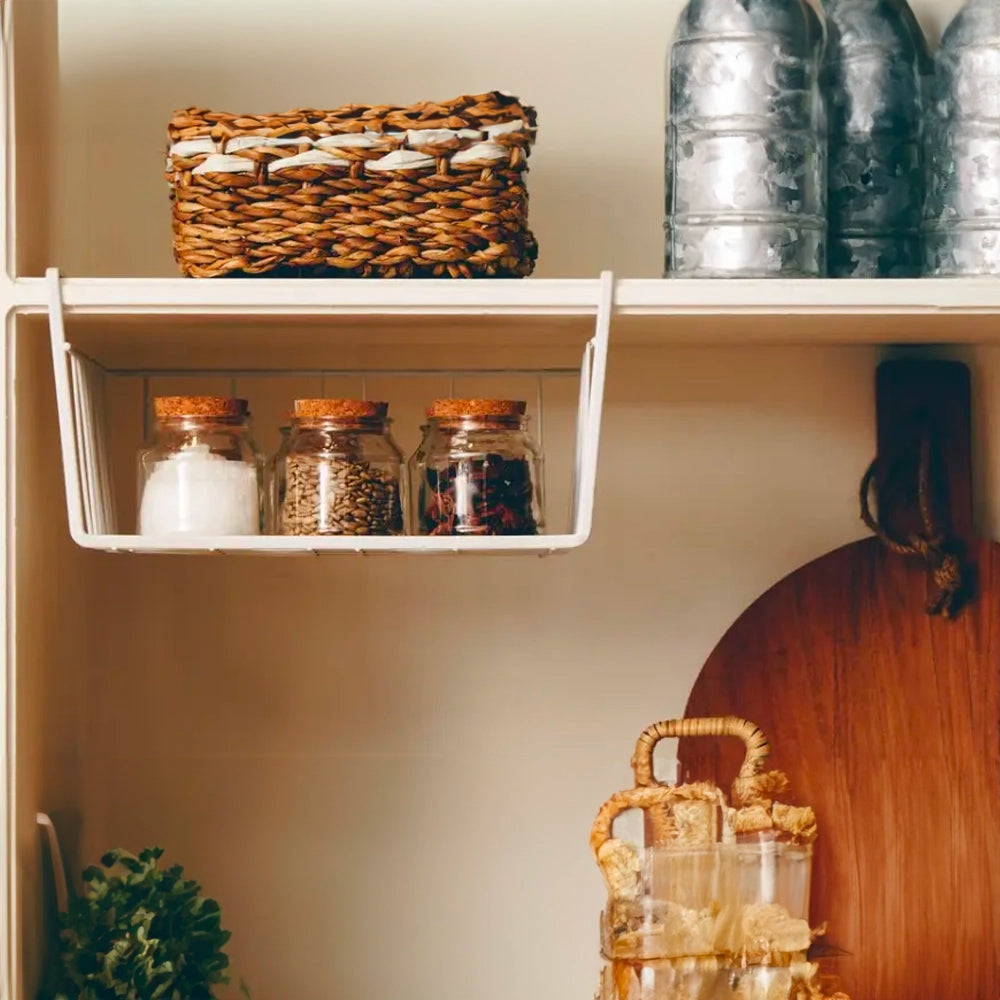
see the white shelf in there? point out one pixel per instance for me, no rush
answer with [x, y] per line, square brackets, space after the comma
[135, 326]
[537, 545]
[124, 318]
[167, 323]
[965, 310]
[85, 356]
[317, 297]
[808, 297]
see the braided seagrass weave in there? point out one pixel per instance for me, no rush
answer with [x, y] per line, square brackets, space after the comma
[430, 190]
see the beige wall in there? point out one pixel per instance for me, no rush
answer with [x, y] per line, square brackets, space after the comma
[386, 768]
[595, 71]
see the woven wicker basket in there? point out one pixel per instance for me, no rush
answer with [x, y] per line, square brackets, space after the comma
[431, 190]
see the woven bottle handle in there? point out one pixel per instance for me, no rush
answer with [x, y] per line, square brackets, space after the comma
[758, 747]
[652, 797]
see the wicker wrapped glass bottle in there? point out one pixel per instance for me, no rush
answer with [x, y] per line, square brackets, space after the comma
[873, 79]
[203, 473]
[339, 473]
[716, 904]
[477, 471]
[746, 141]
[962, 220]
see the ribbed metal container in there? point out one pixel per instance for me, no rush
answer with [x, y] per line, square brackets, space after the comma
[962, 231]
[746, 144]
[872, 78]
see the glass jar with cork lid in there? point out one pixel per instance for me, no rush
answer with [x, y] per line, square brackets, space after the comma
[203, 473]
[275, 489]
[477, 471]
[340, 471]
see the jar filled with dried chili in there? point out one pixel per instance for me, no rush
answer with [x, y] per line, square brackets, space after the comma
[477, 471]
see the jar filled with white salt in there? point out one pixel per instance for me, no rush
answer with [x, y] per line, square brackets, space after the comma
[203, 474]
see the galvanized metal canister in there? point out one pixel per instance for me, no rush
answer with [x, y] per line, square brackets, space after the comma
[962, 230]
[872, 79]
[746, 145]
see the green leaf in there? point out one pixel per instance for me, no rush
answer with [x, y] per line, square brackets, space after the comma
[139, 933]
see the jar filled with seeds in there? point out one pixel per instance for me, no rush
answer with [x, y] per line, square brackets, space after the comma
[340, 471]
[477, 472]
[203, 473]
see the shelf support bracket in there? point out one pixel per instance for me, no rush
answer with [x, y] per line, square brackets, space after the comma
[593, 370]
[64, 404]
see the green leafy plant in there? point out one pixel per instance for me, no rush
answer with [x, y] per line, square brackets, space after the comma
[141, 933]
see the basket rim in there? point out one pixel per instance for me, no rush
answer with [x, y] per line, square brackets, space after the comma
[467, 111]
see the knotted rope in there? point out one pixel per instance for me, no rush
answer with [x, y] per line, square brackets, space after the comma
[932, 545]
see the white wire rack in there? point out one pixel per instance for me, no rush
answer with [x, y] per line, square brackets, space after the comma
[80, 395]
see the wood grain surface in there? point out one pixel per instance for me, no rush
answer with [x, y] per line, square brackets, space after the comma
[887, 721]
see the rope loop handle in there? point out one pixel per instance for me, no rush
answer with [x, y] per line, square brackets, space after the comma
[933, 545]
[758, 748]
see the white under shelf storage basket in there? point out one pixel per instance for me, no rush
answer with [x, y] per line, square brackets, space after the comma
[110, 358]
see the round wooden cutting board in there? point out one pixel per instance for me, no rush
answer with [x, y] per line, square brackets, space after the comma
[887, 721]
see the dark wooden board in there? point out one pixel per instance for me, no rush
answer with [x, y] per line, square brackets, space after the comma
[887, 721]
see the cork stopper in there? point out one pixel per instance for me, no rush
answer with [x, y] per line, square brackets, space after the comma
[226, 407]
[346, 409]
[466, 408]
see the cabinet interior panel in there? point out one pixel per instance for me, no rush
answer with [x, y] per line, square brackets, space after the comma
[33, 136]
[51, 632]
[385, 769]
[122, 342]
[596, 177]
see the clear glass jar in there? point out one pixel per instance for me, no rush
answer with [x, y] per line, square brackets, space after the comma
[696, 916]
[477, 471]
[203, 474]
[731, 900]
[340, 474]
[274, 497]
[707, 978]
